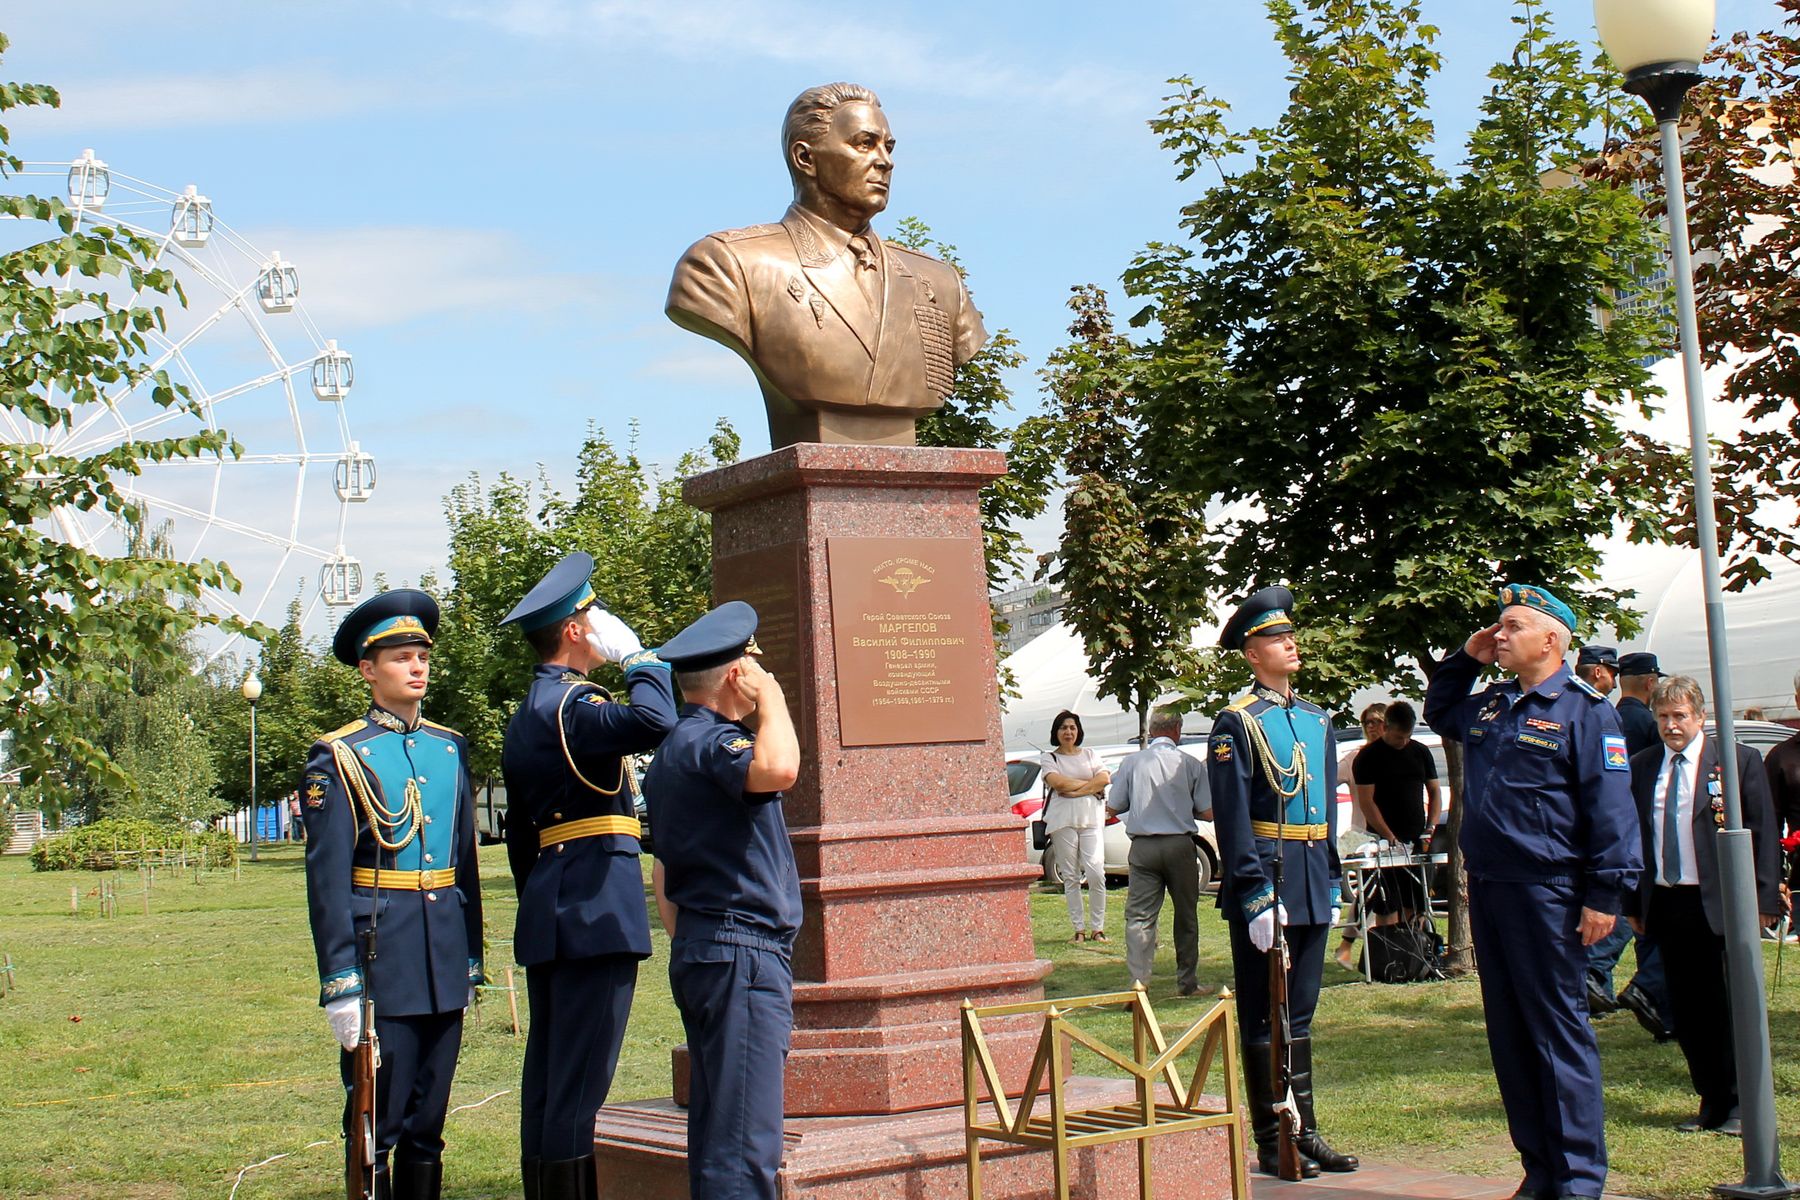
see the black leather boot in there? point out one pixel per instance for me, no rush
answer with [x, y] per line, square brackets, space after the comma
[418, 1180]
[1311, 1144]
[568, 1179]
[528, 1171]
[1265, 1123]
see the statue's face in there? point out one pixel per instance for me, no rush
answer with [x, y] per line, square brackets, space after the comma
[853, 162]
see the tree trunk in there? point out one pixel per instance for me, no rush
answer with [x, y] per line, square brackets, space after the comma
[1459, 957]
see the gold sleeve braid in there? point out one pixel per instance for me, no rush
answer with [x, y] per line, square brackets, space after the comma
[383, 821]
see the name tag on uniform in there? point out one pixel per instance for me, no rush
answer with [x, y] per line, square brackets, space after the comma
[1538, 741]
[1614, 755]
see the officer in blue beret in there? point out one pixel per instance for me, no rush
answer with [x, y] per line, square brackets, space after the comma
[391, 885]
[1551, 840]
[572, 841]
[729, 895]
[1272, 764]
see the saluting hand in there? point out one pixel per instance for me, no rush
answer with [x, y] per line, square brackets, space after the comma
[756, 685]
[1480, 646]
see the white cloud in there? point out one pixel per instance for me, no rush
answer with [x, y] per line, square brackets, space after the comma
[377, 276]
[274, 93]
[784, 32]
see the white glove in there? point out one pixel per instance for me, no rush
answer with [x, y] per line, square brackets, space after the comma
[345, 1015]
[1334, 914]
[610, 637]
[1262, 929]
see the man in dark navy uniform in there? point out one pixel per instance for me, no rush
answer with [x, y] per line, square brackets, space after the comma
[1272, 765]
[572, 841]
[1638, 674]
[1598, 666]
[1550, 837]
[390, 842]
[729, 894]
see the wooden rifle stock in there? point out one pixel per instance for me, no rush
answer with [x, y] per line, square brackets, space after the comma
[1280, 1058]
[359, 1155]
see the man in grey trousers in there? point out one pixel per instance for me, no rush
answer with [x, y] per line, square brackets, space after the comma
[1162, 794]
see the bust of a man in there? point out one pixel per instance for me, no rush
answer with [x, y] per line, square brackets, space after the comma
[852, 338]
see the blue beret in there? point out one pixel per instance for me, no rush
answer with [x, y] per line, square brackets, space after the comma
[725, 634]
[404, 616]
[1266, 612]
[1532, 596]
[564, 591]
[1598, 656]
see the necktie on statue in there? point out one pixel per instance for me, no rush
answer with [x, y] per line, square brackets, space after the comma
[868, 272]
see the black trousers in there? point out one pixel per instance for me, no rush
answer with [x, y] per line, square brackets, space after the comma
[1250, 973]
[412, 1084]
[578, 1013]
[1700, 1008]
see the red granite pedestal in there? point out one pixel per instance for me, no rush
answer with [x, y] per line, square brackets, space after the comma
[865, 563]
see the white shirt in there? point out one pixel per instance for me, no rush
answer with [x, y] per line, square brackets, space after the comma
[1684, 810]
[1072, 812]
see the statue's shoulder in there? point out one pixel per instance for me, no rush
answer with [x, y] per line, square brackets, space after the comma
[749, 231]
[919, 261]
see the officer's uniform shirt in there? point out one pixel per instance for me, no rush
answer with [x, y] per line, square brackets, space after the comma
[727, 861]
[564, 763]
[428, 941]
[1639, 724]
[1547, 772]
[1246, 810]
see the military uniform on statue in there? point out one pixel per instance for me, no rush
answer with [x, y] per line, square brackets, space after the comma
[572, 842]
[390, 843]
[1273, 773]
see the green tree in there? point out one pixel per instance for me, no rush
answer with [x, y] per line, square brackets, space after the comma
[1387, 382]
[1127, 568]
[69, 615]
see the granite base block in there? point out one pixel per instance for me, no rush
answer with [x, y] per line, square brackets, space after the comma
[641, 1153]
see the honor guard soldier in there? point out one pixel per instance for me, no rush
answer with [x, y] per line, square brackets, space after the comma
[1551, 841]
[572, 841]
[1272, 764]
[391, 886]
[729, 893]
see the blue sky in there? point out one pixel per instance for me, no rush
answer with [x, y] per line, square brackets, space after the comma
[485, 200]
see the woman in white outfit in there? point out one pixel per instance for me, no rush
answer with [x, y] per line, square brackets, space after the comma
[1075, 817]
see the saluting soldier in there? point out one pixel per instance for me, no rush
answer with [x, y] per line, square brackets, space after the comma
[572, 841]
[729, 893]
[1551, 840]
[1272, 763]
[390, 842]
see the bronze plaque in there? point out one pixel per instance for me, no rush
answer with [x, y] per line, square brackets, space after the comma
[769, 581]
[910, 624]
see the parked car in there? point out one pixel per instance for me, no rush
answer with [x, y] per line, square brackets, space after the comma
[1027, 792]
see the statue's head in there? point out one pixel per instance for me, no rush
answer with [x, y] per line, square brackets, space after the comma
[839, 152]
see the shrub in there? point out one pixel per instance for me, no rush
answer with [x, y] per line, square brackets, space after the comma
[114, 843]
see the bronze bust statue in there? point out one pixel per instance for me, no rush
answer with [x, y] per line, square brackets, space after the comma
[852, 338]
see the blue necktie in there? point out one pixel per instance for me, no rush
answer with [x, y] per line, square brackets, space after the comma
[1671, 850]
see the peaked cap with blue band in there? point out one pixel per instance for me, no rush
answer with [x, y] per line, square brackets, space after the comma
[401, 617]
[1264, 613]
[1530, 595]
[725, 634]
[563, 591]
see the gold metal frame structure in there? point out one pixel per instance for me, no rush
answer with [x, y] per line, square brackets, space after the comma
[1062, 1129]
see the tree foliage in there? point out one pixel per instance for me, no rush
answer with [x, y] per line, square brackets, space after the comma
[71, 616]
[1740, 130]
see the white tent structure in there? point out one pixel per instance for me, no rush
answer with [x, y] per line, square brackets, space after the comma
[1762, 622]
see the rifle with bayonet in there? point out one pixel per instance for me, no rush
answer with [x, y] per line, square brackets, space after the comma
[1281, 1060]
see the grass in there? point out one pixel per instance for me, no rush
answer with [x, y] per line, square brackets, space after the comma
[152, 1057]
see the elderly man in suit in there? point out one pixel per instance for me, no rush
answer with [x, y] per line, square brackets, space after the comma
[1681, 807]
[852, 338]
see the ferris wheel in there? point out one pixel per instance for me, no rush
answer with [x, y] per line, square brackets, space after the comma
[254, 365]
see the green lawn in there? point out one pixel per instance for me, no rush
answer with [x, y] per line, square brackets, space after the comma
[157, 1056]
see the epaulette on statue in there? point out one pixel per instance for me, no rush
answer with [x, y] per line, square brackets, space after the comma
[344, 732]
[1586, 688]
[748, 231]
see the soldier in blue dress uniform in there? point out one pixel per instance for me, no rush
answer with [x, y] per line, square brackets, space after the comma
[729, 892]
[572, 842]
[1273, 768]
[390, 842]
[1550, 837]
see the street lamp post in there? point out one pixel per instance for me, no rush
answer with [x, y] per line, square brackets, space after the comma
[1659, 45]
[253, 692]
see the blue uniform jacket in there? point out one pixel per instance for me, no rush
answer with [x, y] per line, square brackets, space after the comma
[428, 941]
[1546, 782]
[1311, 879]
[727, 860]
[563, 762]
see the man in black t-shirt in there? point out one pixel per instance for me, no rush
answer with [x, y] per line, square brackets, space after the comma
[1399, 776]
